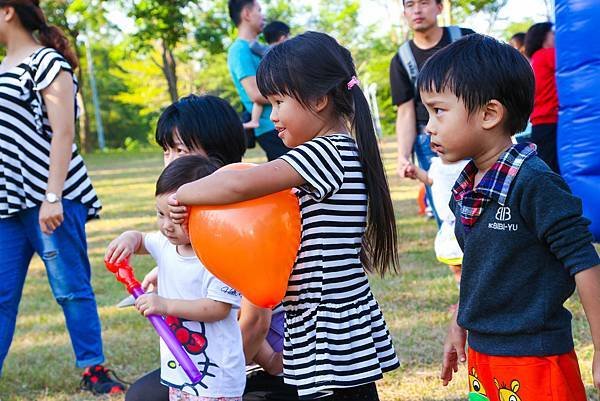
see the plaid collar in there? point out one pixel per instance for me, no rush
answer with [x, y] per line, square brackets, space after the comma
[494, 185]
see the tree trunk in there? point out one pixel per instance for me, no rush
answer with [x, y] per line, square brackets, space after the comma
[85, 144]
[170, 70]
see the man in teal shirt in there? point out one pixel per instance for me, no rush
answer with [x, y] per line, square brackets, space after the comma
[243, 64]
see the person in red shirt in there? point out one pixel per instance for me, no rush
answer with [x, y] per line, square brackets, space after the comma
[539, 48]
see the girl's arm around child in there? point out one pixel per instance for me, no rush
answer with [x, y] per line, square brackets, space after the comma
[224, 187]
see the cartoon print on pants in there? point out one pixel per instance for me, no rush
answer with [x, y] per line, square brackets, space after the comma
[194, 343]
[476, 389]
[508, 394]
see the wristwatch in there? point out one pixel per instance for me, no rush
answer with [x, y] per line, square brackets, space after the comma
[51, 197]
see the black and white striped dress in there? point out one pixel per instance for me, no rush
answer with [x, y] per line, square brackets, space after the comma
[335, 333]
[25, 136]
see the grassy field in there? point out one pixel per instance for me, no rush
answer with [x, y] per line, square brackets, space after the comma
[415, 302]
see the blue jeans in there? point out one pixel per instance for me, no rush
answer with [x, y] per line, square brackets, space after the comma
[424, 154]
[64, 254]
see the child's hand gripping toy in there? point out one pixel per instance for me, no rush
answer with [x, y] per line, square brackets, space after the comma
[124, 273]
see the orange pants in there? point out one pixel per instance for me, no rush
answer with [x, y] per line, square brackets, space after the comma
[527, 378]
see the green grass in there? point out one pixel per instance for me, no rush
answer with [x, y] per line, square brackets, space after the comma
[40, 363]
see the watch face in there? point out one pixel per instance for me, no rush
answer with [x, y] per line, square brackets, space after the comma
[52, 198]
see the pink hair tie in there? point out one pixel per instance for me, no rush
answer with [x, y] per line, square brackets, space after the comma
[353, 81]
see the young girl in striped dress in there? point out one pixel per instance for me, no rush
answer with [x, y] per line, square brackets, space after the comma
[336, 340]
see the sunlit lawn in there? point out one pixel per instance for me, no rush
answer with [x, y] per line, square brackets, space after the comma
[40, 363]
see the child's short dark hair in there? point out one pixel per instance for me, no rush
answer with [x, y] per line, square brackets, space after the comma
[183, 170]
[519, 38]
[206, 122]
[274, 30]
[235, 9]
[479, 68]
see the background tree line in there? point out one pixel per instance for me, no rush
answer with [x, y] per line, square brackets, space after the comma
[148, 53]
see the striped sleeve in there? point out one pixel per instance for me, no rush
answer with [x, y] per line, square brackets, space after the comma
[319, 162]
[49, 63]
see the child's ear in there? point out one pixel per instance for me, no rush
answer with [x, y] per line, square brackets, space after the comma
[321, 103]
[9, 13]
[492, 114]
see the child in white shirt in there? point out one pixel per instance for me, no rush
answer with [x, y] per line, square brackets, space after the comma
[199, 308]
[441, 177]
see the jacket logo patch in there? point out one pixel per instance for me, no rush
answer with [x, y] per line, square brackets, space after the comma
[503, 214]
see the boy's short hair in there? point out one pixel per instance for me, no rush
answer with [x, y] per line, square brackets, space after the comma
[235, 9]
[183, 170]
[206, 122]
[519, 38]
[274, 30]
[477, 69]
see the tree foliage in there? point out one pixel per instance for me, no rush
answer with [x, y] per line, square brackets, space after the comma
[213, 29]
[75, 17]
[161, 24]
[147, 53]
[516, 27]
[462, 8]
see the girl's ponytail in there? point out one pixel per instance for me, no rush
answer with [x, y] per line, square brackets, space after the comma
[380, 250]
[33, 19]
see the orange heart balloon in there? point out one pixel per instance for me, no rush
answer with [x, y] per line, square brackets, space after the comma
[251, 245]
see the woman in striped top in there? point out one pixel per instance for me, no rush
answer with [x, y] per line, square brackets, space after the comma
[336, 341]
[45, 193]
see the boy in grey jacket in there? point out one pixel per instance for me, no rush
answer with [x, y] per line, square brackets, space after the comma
[526, 245]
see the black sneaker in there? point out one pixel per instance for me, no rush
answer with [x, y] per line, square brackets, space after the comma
[97, 380]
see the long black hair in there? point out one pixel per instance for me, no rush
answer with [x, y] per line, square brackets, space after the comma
[308, 67]
[535, 37]
[206, 122]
